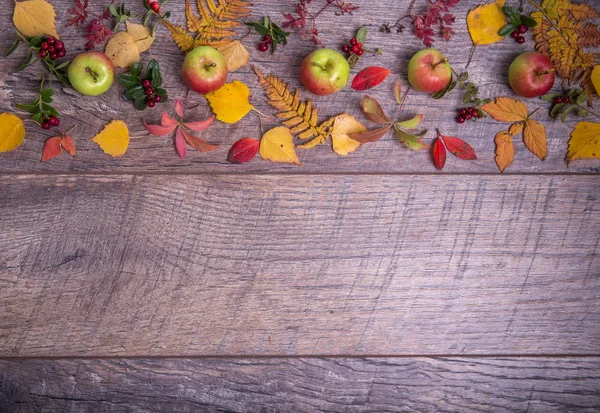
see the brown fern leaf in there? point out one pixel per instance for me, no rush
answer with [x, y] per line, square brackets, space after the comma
[180, 36]
[300, 116]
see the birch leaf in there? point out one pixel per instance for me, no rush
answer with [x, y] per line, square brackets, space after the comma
[12, 132]
[344, 125]
[277, 145]
[231, 102]
[142, 36]
[122, 50]
[235, 55]
[35, 18]
[485, 21]
[584, 142]
[114, 138]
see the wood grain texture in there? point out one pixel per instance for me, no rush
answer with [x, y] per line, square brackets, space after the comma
[304, 265]
[149, 153]
[533, 385]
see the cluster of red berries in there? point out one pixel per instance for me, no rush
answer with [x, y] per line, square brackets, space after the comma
[49, 121]
[152, 97]
[353, 47]
[52, 48]
[154, 6]
[264, 45]
[467, 114]
[516, 34]
[562, 99]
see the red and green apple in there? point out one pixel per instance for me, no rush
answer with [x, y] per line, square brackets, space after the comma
[531, 74]
[429, 71]
[91, 73]
[204, 70]
[324, 72]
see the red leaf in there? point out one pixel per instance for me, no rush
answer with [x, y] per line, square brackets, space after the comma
[372, 135]
[197, 143]
[167, 120]
[243, 150]
[158, 130]
[51, 148]
[179, 108]
[201, 125]
[67, 143]
[459, 148]
[369, 77]
[439, 154]
[180, 144]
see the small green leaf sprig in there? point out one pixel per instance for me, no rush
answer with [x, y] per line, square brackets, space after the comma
[143, 88]
[515, 20]
[572, 101]
[273, 34]
[34, 44]
[41, 109]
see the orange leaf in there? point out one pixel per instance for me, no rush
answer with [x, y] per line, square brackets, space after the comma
[534, 136]
[506, 110]
[505, 151]
[67, 143]
[198, 143]
[515, 128]
[51, 148]
[398, 91]
[373, 111]
[372, 135]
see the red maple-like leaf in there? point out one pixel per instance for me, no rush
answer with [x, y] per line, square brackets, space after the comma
[79, 12]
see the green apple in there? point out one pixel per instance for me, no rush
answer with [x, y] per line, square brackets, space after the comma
[204, 70]
[429, 71]
[91, 73]
[324, 72]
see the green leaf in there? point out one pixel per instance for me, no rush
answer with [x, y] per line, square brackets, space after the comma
[361, 34]
[46, 95]
[582, 99]
[556, 109]
[13, 47]
[411, 141]
[259, 27]
[442, 93]
[135, 92]
[506, 30]
[36, 41]
[37, 117]
[549, 97]
[528, 21]
[582, 112]
[463, 77]
[27, 61]
[570, 108]
[63, 65]
[49, 109]
[33, 108]
[514, 20]
[140, 104]
[113, 10]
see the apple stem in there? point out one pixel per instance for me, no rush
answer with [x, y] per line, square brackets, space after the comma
[93, 74]
[547, 72]
[444, 60]
[208, 66]
[532, 113]
[319, 66]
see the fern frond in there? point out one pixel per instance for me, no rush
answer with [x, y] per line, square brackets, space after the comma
[300, 116]
[180, 36]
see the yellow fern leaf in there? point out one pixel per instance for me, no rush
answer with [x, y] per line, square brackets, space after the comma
[180, 36]
[298, 115]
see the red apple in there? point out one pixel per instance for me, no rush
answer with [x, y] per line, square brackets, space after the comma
[429, 71]
[91, 73]
[531, 74]
[204, 70]
[324, 72]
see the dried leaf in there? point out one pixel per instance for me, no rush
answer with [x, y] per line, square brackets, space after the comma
[231, 102]
[200, 125]
[67, 144]
[411, 123]
[584, 142]
[398, 91]
[485, 21]
[122, 50]
[51, 148]
[159, 130]
[369, 77]
[12, 132]
[515, 128]
[114, 138]
[412, 142]
[180, 144]
[35, 18]
[243, 150]
[372, 135]
[505, 150]
[459, 148]
[235, 55]
[505, 109]
[534, 136]
[595, 78]
[373, 111]
[198, 143]
[345, 125]
[142, 36]
[277, 145]
[167, 120]
[439, 154]
[179, 108]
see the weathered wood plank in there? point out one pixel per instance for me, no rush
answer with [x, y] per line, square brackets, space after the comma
[370, 265]
[149, 153]
[531, 385]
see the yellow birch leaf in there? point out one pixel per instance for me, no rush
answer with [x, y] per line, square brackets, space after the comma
[35, 18]
[596, 78]
[506, 110]
[584, 142]
[142, 36]
[515, 128]
[114, 138]
[235, 54]
[505, 150]
[231, 102]
[344, 125]
[277, 145]
[122, 50]
[12, 132]
[534, 136]
[484, 23]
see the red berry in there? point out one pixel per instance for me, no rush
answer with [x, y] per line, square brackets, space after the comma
[150, 103]
[359, 44]
[149, 91]
[514, 34]
[44, 46]
[46, 125]
[61, 53]
[51, 49]
[566, 99]
[353, 42]
[345, 48]
[460, 119]
[355, 49]
[360, 52]
[558, 100]
[267, 38]
[155, 7]
[43, 53]
[468, 115]
[463, 112]
[53, 56]
[54, 121]
[146, 84]
[263, 47]
[59, 45]
[157, 98]
[50, 40]
[520, 40]
[523, 29]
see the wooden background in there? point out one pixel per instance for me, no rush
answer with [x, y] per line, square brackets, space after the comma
[370, 282]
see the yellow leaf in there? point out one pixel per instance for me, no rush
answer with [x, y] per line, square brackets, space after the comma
[484, 23]
[142, 36]
[534, 136]
[235, 55]
[277, 145]
[12, 132]
[35, 18]
[596, 78]
[113, 139]
[505, 151]
[344, 125]
[230, 103]
[584, 142]
[515, 128]
[506, 110]
[122, 50]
